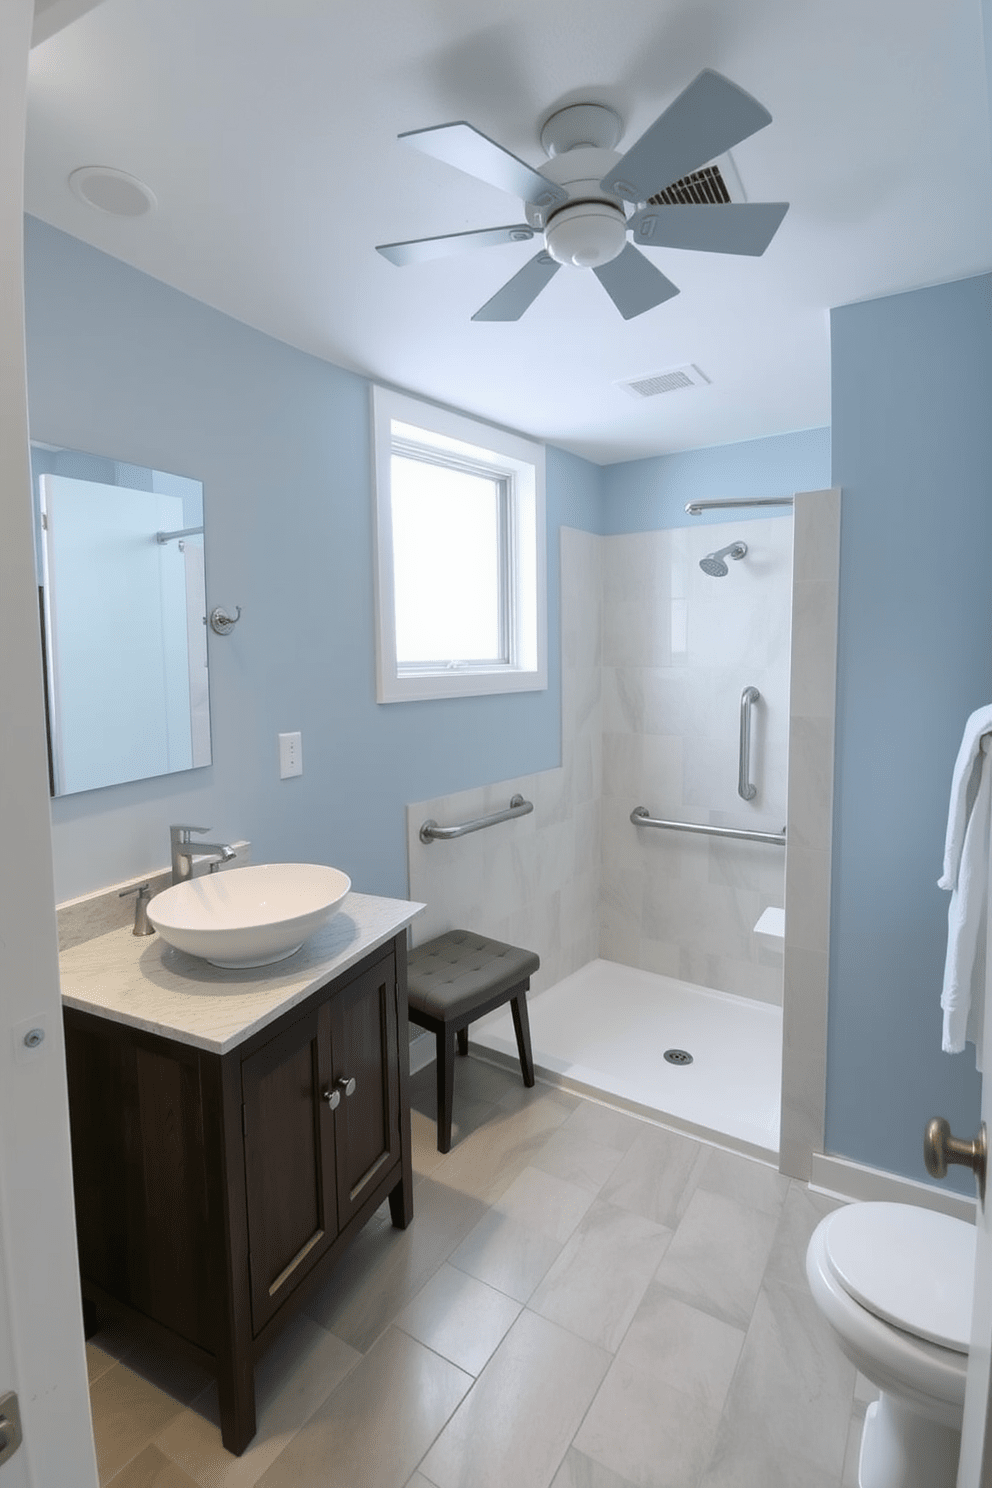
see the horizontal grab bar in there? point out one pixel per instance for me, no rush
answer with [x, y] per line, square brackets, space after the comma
[431, 832]
[641, 818]
[695, 507]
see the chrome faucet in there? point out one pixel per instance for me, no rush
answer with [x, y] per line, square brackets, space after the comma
[184, 850]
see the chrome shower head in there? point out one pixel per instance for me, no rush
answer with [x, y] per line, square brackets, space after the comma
[713, 563]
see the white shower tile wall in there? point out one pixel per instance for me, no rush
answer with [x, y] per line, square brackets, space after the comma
[655, 655]
[535, 880]
[679, 647]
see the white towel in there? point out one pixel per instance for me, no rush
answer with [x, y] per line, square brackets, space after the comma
[964, 783]
[966, 874]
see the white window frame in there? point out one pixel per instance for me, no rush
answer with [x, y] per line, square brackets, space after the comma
[521, 463]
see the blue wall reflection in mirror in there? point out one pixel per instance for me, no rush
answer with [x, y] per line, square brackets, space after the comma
[120, 567]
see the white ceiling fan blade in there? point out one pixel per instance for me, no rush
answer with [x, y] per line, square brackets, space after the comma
[453, 245]
[706, 120]
[520, 292]
[735, 227]
[468, 150]
[633, 284]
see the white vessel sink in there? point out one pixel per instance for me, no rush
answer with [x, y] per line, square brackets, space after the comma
[249, 916]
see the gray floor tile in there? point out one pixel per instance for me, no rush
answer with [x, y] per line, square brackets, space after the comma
[594, 1287]
[386, 1268]
[793, 1393]
[580, 1471]
[516, 1424]
[152, 1469]
[460, 1318]
[678, 1347]
[801, 1213]
[512, 1257]
[127, 1413]
[292, 1379]
[374, 1428]
[653, 1176]
[718, 1256]
[545, 1203]
[578, 1158]
[744, 1179]
[652, 1437]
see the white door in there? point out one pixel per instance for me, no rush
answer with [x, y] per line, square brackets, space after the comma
[41, 1343]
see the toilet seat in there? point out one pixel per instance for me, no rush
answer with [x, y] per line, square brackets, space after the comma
[911, 1267]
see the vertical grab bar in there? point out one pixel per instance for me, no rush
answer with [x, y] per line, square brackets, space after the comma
[745, 789]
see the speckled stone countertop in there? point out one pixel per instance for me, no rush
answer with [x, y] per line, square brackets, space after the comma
[148, 984]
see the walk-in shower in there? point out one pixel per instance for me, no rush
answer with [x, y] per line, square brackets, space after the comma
[675, 693]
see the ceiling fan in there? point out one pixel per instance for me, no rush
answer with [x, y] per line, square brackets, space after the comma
[579, 199]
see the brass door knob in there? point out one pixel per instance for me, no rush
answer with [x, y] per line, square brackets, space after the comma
[941, 1149]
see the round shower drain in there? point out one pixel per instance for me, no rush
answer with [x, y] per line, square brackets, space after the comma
[678, 1056]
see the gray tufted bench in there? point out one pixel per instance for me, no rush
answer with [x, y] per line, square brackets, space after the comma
[454, 979]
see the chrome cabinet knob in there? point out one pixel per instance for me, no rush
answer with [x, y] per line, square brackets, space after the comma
[347, 1084]
[941, 1149]
[332, 1097]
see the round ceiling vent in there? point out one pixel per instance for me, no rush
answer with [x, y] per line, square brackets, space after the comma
[111, 191]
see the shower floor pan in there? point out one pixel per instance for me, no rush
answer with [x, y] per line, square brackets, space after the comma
[604, 1030]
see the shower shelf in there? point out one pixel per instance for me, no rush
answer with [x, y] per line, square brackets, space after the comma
[641, 817]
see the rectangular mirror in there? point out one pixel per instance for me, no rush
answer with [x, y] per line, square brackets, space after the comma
[120, 569]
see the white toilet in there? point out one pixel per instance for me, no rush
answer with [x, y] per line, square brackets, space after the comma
[895, 1283]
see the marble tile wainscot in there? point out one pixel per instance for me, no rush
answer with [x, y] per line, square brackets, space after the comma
[233, 1131]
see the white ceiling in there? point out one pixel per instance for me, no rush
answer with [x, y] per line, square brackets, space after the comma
[267, 131]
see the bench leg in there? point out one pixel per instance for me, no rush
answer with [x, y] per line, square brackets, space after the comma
[521, 1027]
[463, 1040]
[445, 1086]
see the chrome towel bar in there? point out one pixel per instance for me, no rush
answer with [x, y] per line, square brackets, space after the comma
[642, 818]
[431, 832]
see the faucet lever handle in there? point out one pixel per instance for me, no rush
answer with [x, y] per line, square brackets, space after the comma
[181, 833]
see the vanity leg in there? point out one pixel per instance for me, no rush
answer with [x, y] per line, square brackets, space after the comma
[236, 1396]
[401, 1197]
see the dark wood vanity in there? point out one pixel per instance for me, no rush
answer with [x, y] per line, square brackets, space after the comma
[215, 1191]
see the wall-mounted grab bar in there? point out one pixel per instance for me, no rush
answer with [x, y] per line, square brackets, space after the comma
[745, 789]
[431, 832]
[695, 507]
[641, 818]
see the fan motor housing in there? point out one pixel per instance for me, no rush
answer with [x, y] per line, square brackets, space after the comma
[586, 234]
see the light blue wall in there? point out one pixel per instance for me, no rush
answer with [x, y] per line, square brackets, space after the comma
[912, 451]
[642, 495]
[120, 364]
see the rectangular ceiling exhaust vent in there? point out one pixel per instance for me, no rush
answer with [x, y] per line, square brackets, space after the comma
[713, 185]
[665, 382]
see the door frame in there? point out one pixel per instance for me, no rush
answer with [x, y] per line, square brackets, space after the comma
[42, 1353]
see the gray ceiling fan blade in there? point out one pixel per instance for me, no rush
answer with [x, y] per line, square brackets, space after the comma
[633, 284]
[520, 292]
[735, 227]
[707, 119]
[453, 245]
[464, 147]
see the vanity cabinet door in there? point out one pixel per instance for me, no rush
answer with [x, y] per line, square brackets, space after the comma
[364, 1041]
[289, 1159]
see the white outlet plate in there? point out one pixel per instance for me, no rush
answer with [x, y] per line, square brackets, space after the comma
[290, 755]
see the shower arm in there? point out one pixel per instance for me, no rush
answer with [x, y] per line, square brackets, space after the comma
[695, 507]
[745, 789]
